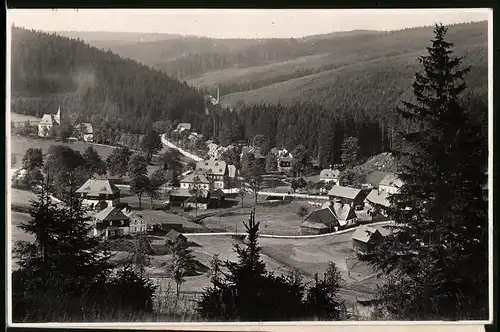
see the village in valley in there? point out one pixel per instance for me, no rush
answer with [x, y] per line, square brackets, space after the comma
[181, 178]
[210, 198]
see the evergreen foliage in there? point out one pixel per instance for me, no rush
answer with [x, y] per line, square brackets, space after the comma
[438, 258]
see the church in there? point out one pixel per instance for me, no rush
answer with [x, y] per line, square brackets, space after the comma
[50, 124]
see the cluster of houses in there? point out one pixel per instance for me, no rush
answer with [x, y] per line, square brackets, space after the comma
[340, 211]
[103, 199]
[51, 125]
[210, 178]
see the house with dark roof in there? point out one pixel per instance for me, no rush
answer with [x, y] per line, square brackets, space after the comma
[328, 175]
[174, 236]
[390, 183]
[111, 222]
[365, 236]
[215, 170]
[347, 195]
[330, 218]
[96, 192]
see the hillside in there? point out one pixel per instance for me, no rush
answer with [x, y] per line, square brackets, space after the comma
[100, 87]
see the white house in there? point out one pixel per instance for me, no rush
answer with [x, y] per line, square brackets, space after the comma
[390, 184]
[215, 170]
[99, 191]
[49, 123]
[330, 175]
[197, 176]
[137, 223]
[183, 126]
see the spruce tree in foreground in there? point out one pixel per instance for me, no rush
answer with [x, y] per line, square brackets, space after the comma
[437, 261]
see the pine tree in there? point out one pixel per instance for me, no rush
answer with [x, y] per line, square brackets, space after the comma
[437, 261]
[140, 255]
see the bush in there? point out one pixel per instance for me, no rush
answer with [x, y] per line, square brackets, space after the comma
[303, 211]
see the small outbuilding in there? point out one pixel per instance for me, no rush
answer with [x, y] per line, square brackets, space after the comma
[363, 237]
[174, 236]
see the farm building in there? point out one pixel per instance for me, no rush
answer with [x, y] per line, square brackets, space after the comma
[347, 195]
[50, 124]
[363, 237]
[330, 218]
[216, 171]
[174, 236]
[330, 175]
[390, 184]
[96, 191]
[111, 222]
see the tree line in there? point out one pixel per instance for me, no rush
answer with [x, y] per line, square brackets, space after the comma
[99, 87]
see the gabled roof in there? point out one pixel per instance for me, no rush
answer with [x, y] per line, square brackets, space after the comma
[343, 212]
[323, 216]
[184, 125]
[344, 192]
[110, 214]
[391, 180]
[364, 233]
[48, 119]
[217, 193]
[377, 198]
[313, 225]
[98, 186]
[197, 175]
[329, 173]
[212, 166]
[174, 235]
[86, 128]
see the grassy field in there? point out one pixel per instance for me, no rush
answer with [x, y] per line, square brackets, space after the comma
[15, 117]
[280, 218]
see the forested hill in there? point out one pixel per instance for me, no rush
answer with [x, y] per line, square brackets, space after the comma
[99, 87]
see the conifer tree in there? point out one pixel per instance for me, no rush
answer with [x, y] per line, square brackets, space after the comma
[437, 261]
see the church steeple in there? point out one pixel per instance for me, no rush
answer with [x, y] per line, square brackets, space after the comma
[58, 115]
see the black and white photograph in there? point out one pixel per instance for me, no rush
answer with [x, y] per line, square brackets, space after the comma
[249, 166]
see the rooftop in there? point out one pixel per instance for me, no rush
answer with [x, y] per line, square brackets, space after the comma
[391, 180]
[110, 214]
[344, 192]
[212, 166]
[98, 186]
[381, 198]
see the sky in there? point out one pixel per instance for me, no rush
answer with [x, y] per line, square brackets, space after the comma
[238, 23]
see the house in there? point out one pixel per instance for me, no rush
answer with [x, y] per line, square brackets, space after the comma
[216, 171]
[197, 177]
[86, 132]
[111, 222]
[328, 175]
[365, 236]
[390, 183]
[284, 164]
[347, 195]
[208, 200]
[174, 236]
[95, 191]
[137, 223]
[330, 218]
[377, 202]
[50, 124]
[183, 126]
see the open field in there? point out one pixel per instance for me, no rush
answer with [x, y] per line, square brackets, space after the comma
[278, 218]
[15, 117]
